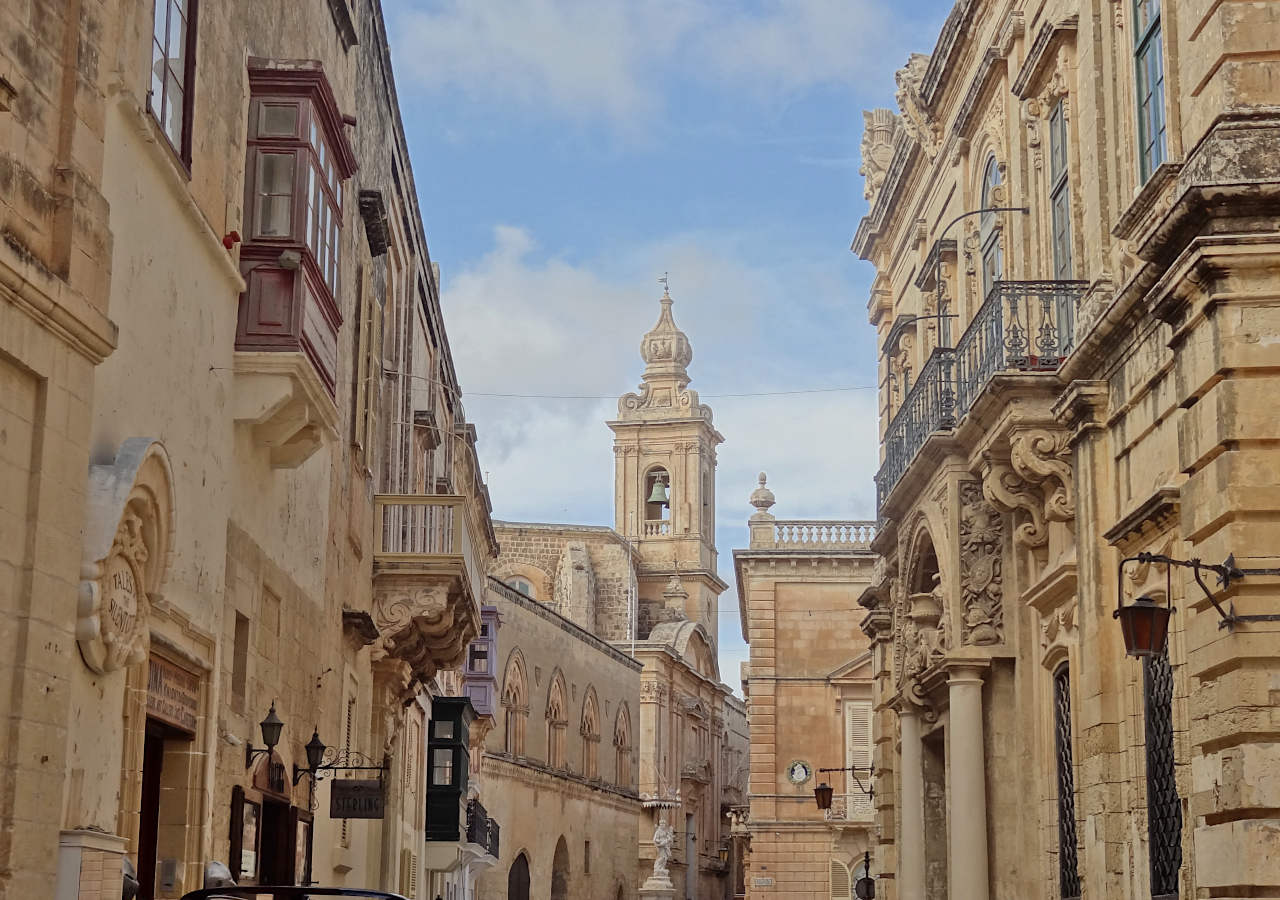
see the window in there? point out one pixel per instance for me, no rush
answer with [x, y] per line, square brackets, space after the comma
[586, 857]
[1164, 806]
[298, 159]
[857, 754]
[1148, 57]
[442, 766]
[173, 46]
[442, 729]
[368, 343]
[1068, 864]
[240, 662]
[478, 658]
[1059, 193]
[989, 230]
[522, 585]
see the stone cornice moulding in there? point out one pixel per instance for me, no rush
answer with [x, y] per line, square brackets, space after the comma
[53, 304]
[1048, 39]
[980, 87]
[1157, 513]
[944, 51]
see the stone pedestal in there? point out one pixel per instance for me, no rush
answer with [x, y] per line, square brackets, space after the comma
[657, 887]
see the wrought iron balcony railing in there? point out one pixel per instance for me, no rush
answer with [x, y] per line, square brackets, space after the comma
[481, 829]
[1022, 326]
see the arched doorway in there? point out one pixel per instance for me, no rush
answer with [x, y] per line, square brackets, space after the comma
[560, 871]
[518, 879]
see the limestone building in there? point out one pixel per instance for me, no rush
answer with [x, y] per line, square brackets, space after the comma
[1073, 225]
[560, 767]
[648, 587]
[809, 692]
[238, 483]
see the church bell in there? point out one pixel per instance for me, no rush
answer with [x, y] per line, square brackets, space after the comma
[659, 493]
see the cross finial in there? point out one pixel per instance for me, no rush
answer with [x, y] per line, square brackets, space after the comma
[665, 281]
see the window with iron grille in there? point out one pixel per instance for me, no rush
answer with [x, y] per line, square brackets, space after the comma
[1059, 193]
[1164, 806]
[173, 49]
[1148, 57]
[1068, 863]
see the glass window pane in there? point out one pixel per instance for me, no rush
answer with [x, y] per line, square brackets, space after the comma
[442, 767]
[278, 120]
[172, 112]
[311, 208]
[160, 26]
[442, 728]
[275, 173]
[177, 44]
[157, 77]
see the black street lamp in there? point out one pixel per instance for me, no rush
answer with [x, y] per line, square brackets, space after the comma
[865, 887]
[271, 728]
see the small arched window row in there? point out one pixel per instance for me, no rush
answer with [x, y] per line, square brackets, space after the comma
[656, 494]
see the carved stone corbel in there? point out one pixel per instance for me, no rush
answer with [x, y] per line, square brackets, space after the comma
[1043, 457]
[1007, 491]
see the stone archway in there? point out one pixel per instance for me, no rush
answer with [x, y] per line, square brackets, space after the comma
[560, 871]
[518, 879]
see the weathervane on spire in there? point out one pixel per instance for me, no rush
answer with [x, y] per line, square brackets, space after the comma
[665, 281]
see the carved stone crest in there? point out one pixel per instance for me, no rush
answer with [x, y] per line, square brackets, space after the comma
[879, 129]
[915, 119]
[127, 539]
[981, 578]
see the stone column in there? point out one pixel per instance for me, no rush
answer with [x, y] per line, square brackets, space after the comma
[911, 853]
[966, 779]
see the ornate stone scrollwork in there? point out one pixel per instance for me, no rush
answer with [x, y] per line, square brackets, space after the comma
[427, 626]
[126, 554]
[1036, 483]
[919, 125]
[879, 128]
[981, 577]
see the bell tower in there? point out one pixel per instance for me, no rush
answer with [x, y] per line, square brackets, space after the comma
[664, 450]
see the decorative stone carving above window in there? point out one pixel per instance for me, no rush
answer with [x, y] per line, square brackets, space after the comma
[127, 538]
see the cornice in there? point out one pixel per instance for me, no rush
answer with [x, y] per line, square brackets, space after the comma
[1159, 510]
[306, 77]
[550, 615]
[944, 51]
[967, 115]
[1048, 39]
[905, 151]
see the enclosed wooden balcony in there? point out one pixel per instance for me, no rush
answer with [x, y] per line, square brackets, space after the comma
[430, 563]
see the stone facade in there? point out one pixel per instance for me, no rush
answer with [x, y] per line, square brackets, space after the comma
[585, 798]
[809, 689]
[238, 507]
[1075, 240]
[649, 588]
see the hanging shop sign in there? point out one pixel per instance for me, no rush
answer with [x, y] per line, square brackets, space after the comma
[356, 798]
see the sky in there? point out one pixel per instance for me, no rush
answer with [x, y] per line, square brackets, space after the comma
[569, 152]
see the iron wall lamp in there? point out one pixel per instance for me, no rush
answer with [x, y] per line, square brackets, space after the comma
[823, 792]
[340, 761]
[1145, 623]
[271, 727]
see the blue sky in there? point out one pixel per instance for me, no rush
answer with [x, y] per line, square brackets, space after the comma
[567, 152]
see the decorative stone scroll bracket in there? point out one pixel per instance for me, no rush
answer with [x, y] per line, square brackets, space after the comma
[427, 626]
[1035, 483]
[127, 543]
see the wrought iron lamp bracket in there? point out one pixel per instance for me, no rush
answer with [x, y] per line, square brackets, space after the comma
[870, 789]
[1227, 572]
[341, 760]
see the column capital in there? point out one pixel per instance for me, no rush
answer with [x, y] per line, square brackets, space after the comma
[966, 673]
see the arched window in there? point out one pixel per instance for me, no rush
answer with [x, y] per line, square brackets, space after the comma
[1068, 867]
[840, 881]
[657, 502]
[515, 704]
[992, 259]
[622, 747]
[590, 735]
[557, 722]
[523, 585]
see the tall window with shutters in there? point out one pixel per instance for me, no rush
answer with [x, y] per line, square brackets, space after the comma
[841, 881]
[857, 753]
[348, 736]
[1068, 865]
[368, 343]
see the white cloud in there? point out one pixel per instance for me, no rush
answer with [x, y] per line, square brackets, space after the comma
[522, 321]
[586, 59]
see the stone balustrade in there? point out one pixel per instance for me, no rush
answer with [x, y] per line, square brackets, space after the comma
[803, 534]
